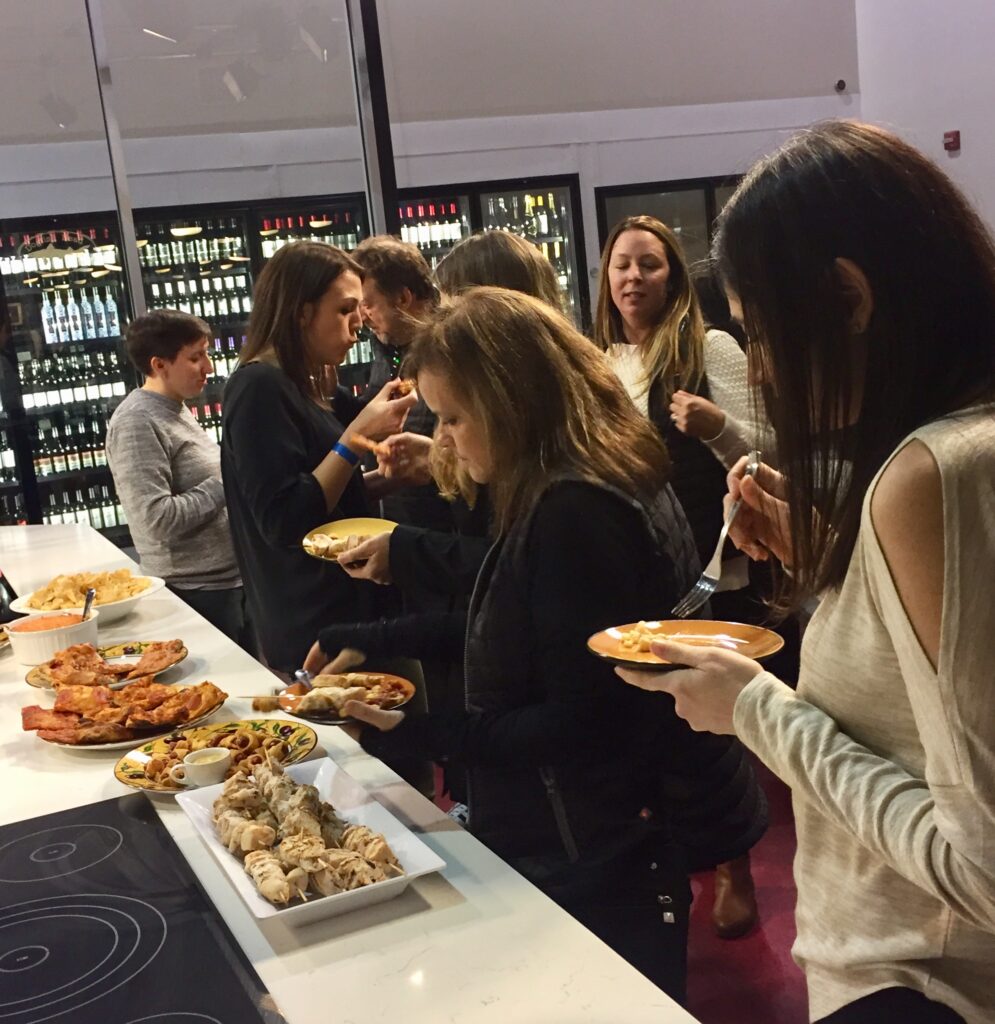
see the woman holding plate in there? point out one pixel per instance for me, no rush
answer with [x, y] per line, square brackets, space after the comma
[852, 240]
[568, 770]
[286, 457]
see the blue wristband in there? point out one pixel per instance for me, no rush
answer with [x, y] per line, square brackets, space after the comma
[346, 453]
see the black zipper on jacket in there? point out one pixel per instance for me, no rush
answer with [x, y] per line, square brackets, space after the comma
[548, 777]
[470, 613]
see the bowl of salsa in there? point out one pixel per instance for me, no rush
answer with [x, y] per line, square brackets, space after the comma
[38, 638]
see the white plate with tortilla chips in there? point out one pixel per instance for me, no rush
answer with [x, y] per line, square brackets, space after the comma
[117, 594]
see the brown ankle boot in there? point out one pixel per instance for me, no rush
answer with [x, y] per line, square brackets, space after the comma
[735, 910]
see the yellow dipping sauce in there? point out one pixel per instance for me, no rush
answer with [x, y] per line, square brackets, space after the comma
[48, 622]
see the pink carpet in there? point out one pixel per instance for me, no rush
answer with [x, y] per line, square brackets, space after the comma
[751, 980]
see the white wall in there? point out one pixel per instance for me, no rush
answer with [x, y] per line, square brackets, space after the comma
[926, 68]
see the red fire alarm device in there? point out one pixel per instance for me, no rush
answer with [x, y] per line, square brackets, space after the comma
[951, 142]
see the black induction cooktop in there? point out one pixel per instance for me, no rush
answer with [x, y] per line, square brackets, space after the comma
[102, 921]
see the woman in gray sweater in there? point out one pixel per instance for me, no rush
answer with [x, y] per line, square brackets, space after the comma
[167, 472]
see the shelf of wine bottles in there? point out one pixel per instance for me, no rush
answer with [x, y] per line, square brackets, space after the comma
[72, 375]
[543, 219]
[12, 510]
[338, 221]
[435, 225]
[63, 289]
[201, 266]
[97, 505]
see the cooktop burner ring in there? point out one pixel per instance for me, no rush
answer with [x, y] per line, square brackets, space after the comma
[77, 950]
[69, 847]
[176, 1017]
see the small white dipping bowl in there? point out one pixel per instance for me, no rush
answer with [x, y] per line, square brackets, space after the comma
[40, 645]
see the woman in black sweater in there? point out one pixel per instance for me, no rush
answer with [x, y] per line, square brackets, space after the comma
[286, 458]
[569, 774]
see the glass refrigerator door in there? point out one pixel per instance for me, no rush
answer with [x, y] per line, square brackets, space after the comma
[435, 224]
[199, 263]
[684, 211]
[67, 303]
[546, 218]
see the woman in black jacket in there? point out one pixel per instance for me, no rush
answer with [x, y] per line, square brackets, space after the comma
[568, 773]
[286, 459]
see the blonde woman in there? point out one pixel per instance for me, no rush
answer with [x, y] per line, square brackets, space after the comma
[692, 384]
[566, 770]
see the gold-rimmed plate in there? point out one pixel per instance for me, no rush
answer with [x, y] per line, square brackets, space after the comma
[119, 654]
[614, 644]
[130, 769]
[340, 530]
[291, 698]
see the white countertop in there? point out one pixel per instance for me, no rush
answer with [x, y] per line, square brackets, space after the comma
[477, 943]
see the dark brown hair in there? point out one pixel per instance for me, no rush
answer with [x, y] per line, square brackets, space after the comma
[161, 334]
[297, 274]
[575, 417]
[674, 352]
[853, 191]
[393, 265]
[499, 259]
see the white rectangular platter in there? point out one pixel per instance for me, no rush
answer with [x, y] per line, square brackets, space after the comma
[352, 803]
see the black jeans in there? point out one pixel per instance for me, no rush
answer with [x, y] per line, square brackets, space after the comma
[639, 905]
[894, 1006]
[224, 609]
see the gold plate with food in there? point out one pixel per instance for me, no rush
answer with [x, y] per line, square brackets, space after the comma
[117, 593]
[324, 702]
[251, 742]
[333, 539]
[99, 718]
[629, 645]
[114, 666]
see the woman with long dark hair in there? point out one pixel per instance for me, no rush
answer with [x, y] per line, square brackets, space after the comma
[286, 458]
[851, 241]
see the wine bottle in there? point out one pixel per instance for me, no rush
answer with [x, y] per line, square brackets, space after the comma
[93, 504]
[63, 375]
[80, 512]
[99, 452]
[59, 462]
[113, 321]
[8, 462]
[48, 325]
[52, 394]
[99, 315]
[84, 445]
[61, 319]
[555, 227]
[107, 513]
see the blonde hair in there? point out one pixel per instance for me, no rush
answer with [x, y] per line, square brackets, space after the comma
[499, 259]
[674, 351]
[547, 400]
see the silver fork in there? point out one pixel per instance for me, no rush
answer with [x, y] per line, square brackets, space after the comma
[708, 581]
